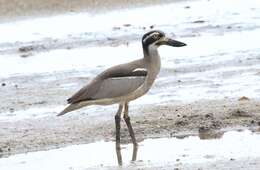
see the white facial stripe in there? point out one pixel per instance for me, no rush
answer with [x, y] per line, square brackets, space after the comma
[146, 38]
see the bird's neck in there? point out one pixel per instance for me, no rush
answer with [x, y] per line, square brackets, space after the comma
[153, 64]
[152, 59]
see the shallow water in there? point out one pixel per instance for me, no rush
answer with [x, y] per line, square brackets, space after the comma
[151, 152]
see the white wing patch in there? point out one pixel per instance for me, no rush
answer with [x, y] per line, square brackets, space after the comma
[139, 69]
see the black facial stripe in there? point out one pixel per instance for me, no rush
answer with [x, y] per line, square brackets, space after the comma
[149, 38]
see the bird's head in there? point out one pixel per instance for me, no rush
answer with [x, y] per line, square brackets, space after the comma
[156, 38]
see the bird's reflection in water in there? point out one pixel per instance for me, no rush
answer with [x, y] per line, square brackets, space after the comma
[134, 155]
[119, 155]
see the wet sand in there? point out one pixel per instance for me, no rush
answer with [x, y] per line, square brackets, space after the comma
[149, 121]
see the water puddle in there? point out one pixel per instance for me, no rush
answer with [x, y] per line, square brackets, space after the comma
[190, 150]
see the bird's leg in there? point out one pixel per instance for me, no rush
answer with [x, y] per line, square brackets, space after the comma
[117, 122]
[131, 131]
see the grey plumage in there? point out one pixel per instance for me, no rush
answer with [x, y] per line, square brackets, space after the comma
[105, 86]
[110, 89]
[122, 72]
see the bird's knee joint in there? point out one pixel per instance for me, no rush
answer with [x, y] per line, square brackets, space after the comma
[126, 117]
[117, 117]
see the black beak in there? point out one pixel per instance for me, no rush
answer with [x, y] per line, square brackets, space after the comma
[170, 42]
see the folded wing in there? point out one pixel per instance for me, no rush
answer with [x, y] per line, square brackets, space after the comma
[111, 83]
[119, 86]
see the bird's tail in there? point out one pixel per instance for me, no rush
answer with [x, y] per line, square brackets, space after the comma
[66, 110]
[71, 108]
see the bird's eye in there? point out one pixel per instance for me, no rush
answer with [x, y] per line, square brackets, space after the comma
[155, 36]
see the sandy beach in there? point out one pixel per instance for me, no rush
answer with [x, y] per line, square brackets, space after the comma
[205, 89]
